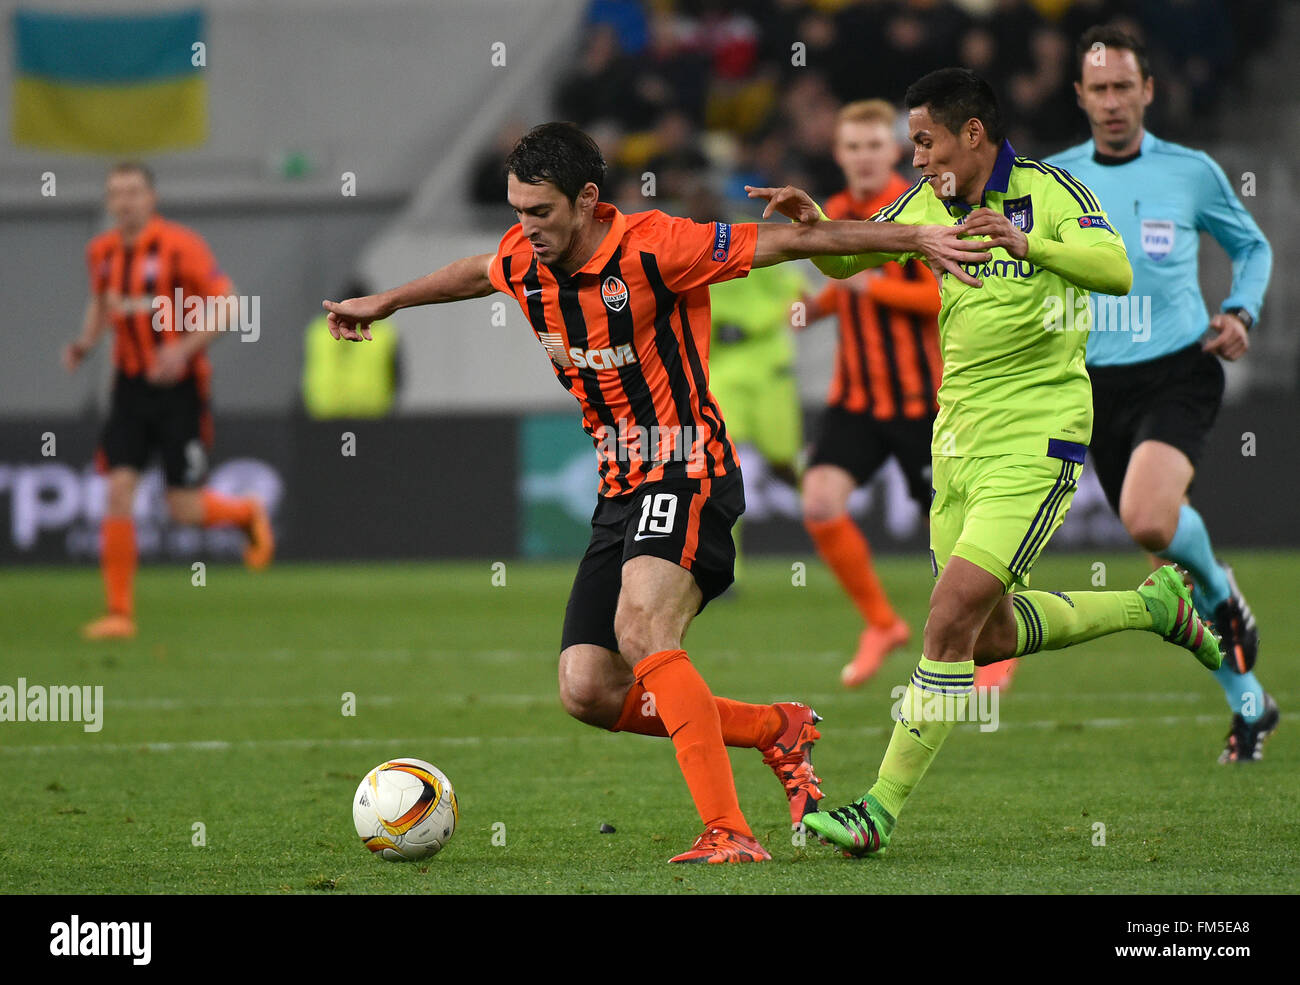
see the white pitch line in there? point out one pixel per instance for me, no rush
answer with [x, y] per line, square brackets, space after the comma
[329, 701]
[459, 699]
[222, 745]
[219, 745]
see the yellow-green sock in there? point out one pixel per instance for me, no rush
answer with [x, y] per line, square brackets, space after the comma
[934, 702]
[1052, 620]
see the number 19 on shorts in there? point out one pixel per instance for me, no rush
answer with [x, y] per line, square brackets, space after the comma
[658, 512]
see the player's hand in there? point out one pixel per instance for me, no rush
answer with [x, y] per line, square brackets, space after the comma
[73, 354]
[169, 366]
[350, 319]
[793, 203]
[1231, 339]
[946, 248]
[1000, 231]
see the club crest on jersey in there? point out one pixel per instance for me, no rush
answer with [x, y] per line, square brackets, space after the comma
[1157, 238]
[1021, 213]
[614, 293]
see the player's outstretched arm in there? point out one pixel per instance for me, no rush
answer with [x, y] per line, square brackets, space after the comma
[942, 246]
[797, 205]
[1099, 265]
[458, 281]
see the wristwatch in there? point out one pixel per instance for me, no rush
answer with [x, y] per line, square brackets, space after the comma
[1246, 317]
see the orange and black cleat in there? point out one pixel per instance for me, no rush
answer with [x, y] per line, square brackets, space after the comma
[718, 846]
[261, 540]
[790, 757]
[114, 626]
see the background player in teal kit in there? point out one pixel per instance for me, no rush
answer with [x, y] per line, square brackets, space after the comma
[1156, 390]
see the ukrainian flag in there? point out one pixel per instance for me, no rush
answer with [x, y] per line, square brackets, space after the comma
[112, 85]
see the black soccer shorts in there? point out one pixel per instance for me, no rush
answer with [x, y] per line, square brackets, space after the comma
[860, 444]
[686, 521]
[171, 420]
[1173, 399]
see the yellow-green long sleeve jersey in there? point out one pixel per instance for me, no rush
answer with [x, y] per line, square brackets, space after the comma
[1013, 349]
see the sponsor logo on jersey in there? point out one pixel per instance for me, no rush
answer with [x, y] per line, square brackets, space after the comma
[614, 293]
[1094, 222]
[610, 357]
[721, 241]
[1000, 268]
[1021, 212]
[1157, 238]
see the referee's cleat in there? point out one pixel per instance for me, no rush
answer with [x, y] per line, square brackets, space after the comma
[1246, 739]
[1235, 623]
[860, 829]
[790, 757]
[1174, 617]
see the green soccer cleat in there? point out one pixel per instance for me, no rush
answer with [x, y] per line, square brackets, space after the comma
[860, 829]
[1172, 615]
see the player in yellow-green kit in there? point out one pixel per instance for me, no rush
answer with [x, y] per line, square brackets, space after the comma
[1015, 416]
[751, 367]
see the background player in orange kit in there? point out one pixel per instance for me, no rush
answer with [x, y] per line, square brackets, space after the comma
[161, 383]
[882, 399]
[620, 303]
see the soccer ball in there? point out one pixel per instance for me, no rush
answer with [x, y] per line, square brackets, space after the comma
[405, 809]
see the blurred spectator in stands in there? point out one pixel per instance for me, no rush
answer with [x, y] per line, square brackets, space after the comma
[677, 159]
[1195, 48]
[1041, 107]
[810, 113]
[978, 51]
[355, 381]
[488, 173]
[627, 18]
[602, 87]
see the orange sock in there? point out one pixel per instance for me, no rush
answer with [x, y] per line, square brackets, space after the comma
[117, 559]
[743, 725]
[690, 716]
[226, 511]
[842, 546]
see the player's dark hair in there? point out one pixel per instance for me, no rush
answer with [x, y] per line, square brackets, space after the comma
[954, 96]
[1102, 38]
[133, 167]
[559, 153]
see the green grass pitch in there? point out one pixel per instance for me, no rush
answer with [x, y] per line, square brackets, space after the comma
[227, 711]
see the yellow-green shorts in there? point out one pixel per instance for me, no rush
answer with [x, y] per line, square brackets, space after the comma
[999, 512]
[761, 409]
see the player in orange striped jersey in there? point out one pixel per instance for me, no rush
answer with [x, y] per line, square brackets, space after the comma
[620, 303]
[161, 386]
[883, 390]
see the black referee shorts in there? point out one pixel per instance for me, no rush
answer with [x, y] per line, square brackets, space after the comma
[686, 521]
[1173, 399]
[170, 420]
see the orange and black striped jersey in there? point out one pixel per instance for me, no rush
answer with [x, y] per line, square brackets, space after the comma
[628, 336]
[165, 256]
[887, 362]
